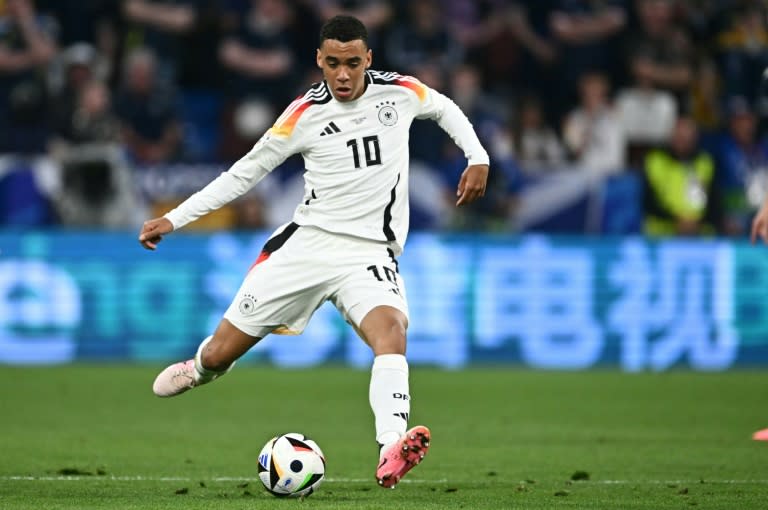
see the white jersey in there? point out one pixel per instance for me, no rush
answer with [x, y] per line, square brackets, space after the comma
[355, 154]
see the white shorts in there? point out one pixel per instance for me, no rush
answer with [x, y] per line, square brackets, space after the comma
[300, 268]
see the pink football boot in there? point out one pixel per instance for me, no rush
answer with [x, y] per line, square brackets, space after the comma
[183, 376]
[175, 379]
[401, 456]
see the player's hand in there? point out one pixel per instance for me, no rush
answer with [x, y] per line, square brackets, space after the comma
[760, 225]
[472, 184]
[152, 232]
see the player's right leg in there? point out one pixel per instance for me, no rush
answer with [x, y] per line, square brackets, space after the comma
[384, 329]
[279, 294]
[371, 296]
[215, 356]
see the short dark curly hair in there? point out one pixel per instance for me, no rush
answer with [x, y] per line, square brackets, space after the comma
[344, 28]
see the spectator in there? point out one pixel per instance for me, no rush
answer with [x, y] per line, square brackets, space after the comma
[585, 33]
[96, 23]
[647, 115]
[259, 54]
[592, 132]
[160, 25]
[78, 67]
[474, 22]
[540, 50]
[27, 45]
[423, 39]
[742, 157]
[743, 52]
[680, 196]
[501, 41]
[146, 109]
[659, 51]
[198, 65]
[533, 144]
[92, 119]
[259, 57]
[701, 18]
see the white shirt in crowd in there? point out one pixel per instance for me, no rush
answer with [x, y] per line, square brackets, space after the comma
[647, 115]
[598, 140]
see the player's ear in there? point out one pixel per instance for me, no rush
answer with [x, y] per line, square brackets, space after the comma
[368, 58]
[319, 59]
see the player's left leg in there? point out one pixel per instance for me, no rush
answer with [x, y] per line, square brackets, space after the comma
[384, 329]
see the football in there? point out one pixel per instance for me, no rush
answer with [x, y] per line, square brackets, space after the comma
[291, 465]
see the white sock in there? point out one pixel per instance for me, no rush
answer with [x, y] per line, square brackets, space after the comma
[389, 397]
[202, 374]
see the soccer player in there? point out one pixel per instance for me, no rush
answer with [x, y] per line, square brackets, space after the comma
[760, 229]
[352, 131]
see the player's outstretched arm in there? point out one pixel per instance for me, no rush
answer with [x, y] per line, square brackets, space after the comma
[153, 230]
[760, 224]
[472, 184]
[452, 120]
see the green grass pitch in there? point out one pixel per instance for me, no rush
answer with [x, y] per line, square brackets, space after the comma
[94, 437]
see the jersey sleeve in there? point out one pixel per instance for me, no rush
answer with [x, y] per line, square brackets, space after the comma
[431, 104]
[278, 143]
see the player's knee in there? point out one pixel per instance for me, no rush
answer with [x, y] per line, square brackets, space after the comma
[397, 329]
[390, 338]
[215, 358]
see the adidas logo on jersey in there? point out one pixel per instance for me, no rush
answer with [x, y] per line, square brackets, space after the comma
[330, 129]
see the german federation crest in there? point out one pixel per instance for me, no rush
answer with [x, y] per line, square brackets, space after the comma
[247, 305]
[387, 114]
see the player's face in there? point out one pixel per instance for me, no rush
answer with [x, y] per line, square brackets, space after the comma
[344, 65]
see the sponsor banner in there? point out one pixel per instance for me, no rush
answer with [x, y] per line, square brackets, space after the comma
[565, 303]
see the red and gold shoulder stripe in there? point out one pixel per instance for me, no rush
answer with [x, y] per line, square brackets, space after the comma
[413, 84]
[286, 123]
[390, 78]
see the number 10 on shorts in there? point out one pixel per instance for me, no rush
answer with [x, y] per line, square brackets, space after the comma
[390, 275]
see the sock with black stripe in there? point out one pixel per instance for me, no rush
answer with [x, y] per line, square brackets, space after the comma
[389, 397]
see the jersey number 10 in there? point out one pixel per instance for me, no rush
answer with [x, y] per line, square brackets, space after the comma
[370, 149]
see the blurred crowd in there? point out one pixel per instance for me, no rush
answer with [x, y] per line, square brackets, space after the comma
[103, 103]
